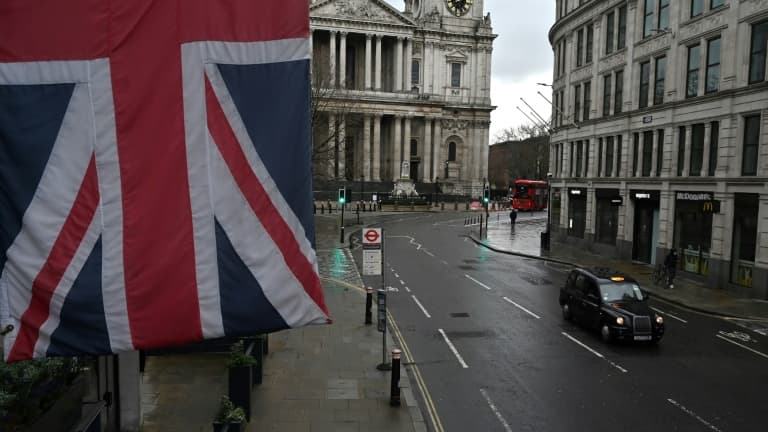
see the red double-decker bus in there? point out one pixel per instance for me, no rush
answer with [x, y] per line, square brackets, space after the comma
[529, 195]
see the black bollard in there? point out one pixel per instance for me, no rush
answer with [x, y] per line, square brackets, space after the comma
[368, 304]
[394, 398]
[322, 208]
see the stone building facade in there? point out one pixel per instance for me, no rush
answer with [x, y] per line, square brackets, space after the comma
[398, 86]
[664, 105]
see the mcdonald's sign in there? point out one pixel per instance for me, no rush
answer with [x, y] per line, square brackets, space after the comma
[711, 206]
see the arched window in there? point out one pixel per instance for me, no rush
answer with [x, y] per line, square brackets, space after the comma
[452, 151]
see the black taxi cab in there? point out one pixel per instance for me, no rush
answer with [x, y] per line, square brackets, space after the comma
[612, 303]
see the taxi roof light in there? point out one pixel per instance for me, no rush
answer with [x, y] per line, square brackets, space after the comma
[617, 278]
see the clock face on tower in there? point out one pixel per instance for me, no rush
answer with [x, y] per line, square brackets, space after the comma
[458, 7]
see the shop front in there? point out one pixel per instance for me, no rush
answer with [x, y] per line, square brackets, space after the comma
[646, 225]
[554, 216]
[744, 242]
[577, 212]
[693, 230]
[607, 215]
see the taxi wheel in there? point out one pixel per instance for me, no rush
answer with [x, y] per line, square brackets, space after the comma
[567, 315]
[605, 332]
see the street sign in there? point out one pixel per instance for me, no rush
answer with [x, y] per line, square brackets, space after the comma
[372, 251]
[381, 310]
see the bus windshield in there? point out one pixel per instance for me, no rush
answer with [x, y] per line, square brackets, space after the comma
[521, 191]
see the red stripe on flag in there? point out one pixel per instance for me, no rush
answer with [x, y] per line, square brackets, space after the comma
[259, 200]
[158, 242]
[63, 250]
[243, 20]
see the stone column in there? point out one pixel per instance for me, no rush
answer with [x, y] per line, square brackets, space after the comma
[474, 163]
[408, 66]
[588, 163]
[332, 61]
[603, 152]
[407, 139]
[343, 60]
[707, 141]
[366, 175]
[687, 155]
[399, 64]
[437, 155]
[397, 143]
[624, 163]
[654, 156]
[377, 71]
[368, 61]
[377, 147]
[427, 81]
[342, 146]
[639, 156]
[616, 162]
[332, 148]
[426, 163]
[673, 149]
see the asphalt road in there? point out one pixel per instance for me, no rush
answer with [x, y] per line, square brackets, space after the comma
[487, 337]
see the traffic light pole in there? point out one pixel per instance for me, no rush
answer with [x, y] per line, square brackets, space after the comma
[342, 202]
[341, 239]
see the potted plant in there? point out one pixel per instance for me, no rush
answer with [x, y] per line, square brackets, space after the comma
[240, 371]
[228, 416]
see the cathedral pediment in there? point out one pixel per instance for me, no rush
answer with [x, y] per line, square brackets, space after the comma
[358, 10]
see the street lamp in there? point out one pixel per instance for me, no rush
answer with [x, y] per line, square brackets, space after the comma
[544, 84]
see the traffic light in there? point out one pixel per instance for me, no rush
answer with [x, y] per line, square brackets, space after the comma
[342, 196]
[486, 195]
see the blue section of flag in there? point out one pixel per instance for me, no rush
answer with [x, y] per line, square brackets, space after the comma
[83, 327]
[273, 101]
[30, 119]
[244, 308]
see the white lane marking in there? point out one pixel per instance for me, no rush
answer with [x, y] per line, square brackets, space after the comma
[466, 239]
[495, 411]
[445, 262]
[421, 306]
[407, 289]
[521, 308]
[763, 332]
[745, 347]
[669, 315]
[429, 253]
[401, 282]
[478, 282]
[594, 352]
[694, 415]
[453, 349]
[397, 275]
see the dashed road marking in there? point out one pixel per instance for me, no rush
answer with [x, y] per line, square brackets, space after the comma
[743, 346]
[402, 282]
[453, 349]
[694, 415]
[478, 282]
[421, 306]
[521, 308]
[407, 289]
[594, 352]
[670, 315]
[495, 411]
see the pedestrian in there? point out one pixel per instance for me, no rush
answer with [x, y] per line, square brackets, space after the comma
[670, 264]
[513, 216]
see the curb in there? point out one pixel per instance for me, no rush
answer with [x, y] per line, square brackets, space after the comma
[654, 292]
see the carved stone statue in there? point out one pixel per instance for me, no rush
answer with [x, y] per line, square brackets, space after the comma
[405, 169]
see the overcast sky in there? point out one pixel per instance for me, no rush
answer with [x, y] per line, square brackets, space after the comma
[522, 57]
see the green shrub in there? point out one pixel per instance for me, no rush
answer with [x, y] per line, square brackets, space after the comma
[228, 413]
[238, 357]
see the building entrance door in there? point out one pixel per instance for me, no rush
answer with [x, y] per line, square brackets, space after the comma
[644, 232]
[414, 174]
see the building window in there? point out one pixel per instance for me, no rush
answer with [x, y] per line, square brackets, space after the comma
[576, 102]
[579, 157]
[659, 151]
[587, 100]
[452, 151]
[751, 142]
[590, 42]
[663, 21]
[619, 96]
[635, 155]
[414, 147]
[586, 158]
[562, 57]
[609, 156]
[648, 18]
[579, 47]
[680, 150]
[658, 85]
[455, 75]
[757, 52]
[609, 32]
[607, 95]
[714, 136]
[692, 77]
[645, 76]
[697, 149]
[712, 78]
[599, 157]
[647, 153]
[618, 155]
[716, 3]
[415, 71]
[621, 39]
[697, 8]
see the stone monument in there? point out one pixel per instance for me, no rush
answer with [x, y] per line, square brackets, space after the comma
[404, 186]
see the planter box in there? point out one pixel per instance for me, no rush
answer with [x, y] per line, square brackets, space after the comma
[258, 354]
[240, 382]
[65, 412]
[231, 427]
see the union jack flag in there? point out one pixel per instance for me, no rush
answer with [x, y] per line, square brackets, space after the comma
[155, 184]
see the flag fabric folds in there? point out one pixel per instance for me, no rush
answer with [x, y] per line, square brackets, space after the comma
[155, 183]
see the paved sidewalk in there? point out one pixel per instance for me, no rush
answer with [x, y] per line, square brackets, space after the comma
[319, 378]
[524, 240]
